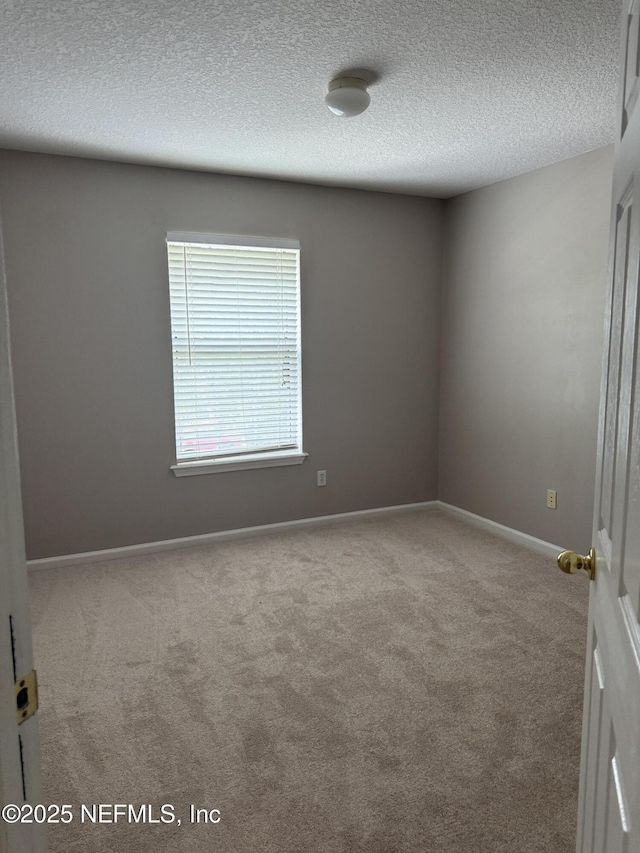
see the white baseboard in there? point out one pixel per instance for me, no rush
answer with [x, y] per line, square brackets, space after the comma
[500, 530]
[286, 526]
[222, 536]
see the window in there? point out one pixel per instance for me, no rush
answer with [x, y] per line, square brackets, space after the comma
[235, 324]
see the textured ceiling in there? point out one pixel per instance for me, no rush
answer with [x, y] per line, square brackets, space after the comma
[466, 92]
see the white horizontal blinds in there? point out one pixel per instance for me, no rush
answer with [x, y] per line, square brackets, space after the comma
[236, 348]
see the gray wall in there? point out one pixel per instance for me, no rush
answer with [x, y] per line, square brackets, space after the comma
[519, 366]
[522, 330]
[89, 305]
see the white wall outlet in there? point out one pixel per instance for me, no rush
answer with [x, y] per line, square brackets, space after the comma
[551, 498]
[322, 478]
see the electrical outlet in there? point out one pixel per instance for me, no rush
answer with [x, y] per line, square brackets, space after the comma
[322, 478]
[551, 498]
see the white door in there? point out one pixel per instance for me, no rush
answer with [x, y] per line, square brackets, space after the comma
[609, 806]
[19, 752]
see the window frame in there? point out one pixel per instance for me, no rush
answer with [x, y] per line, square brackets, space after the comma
[244, 460]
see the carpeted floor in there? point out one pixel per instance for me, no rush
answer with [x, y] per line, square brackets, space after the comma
[384, 686]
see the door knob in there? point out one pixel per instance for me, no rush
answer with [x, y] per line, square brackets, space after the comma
[570, 562]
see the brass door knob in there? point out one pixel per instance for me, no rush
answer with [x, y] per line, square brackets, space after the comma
[570, 562]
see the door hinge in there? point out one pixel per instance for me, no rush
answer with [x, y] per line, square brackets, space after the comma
[26, 696]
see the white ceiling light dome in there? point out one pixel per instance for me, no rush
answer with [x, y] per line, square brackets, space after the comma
[347, 96]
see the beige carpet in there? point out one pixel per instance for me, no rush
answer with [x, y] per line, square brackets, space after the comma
[386, 686]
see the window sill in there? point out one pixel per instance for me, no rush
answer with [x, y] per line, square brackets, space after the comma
[238, 463]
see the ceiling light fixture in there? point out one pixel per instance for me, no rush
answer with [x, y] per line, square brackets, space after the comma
[347, 96]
